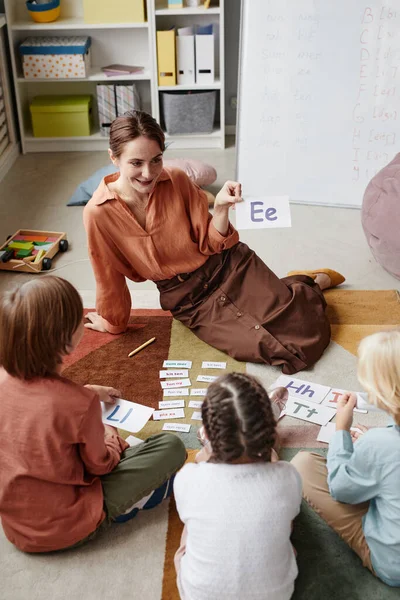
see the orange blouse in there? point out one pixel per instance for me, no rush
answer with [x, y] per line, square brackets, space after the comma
[53, 447]
[178, 238]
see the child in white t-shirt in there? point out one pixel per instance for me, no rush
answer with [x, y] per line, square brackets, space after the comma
[237, 507]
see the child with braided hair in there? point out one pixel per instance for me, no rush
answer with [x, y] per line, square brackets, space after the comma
[238, 506]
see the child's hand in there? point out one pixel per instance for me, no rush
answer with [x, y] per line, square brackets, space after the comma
[344, 415]
[278, 396]
[96, 322]
[355, 435]
[108, 395]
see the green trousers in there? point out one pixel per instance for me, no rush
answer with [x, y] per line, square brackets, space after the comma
[141, 470]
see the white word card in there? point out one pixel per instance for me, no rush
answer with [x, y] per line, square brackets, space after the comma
[213, 365]
[304, 390]
[176, 392]
[195, 403]
[326, 432]
[207, 378]
[263, 212]
[133, 441]
[175, 383]
[126, 415]
[171, 404]
[196, 416]
[172, 373]
[332, 397]
[159, 415]
[177, 364]
[309, 411]
[198, 391]
[182, 427]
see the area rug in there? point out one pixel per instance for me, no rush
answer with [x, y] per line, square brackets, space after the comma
[136, 559]
[103, 359]
[327, 567]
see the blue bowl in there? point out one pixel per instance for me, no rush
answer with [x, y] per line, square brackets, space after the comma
[44, 13]
[42, 7]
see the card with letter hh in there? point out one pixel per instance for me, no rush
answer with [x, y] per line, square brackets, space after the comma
[213, 365]
[182, 427]
[177, 364]
[177, 413]
[304, 390]
[174, 373]
[263, 212]
[175, 383]
[126, 415]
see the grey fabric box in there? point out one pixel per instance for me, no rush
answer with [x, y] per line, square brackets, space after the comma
[189, 113]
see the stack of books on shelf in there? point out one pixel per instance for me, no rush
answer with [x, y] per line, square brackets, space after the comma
[120, 70]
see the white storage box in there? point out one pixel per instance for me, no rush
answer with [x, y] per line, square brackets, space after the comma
[55, 57]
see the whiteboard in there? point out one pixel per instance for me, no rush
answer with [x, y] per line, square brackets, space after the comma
[318, 97]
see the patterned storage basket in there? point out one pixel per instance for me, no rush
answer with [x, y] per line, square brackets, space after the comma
[55, 57]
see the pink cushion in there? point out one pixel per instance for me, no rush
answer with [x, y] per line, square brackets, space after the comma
[380, 216]
[199, 172]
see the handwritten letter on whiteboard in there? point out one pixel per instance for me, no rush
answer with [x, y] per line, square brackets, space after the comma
[319, 98]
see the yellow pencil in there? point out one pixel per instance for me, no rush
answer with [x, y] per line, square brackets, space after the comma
[141, 347]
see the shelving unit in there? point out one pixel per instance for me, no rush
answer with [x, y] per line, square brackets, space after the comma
[163, 17]
[123, 43]
[9, 148]
[95, 74]
[213, 10]
[72, 23]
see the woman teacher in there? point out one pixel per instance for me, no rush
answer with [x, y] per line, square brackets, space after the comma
[151, 223]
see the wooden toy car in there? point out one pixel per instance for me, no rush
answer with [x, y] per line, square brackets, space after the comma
[34, 257]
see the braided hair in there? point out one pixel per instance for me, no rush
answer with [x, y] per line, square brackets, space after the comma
[238, 419]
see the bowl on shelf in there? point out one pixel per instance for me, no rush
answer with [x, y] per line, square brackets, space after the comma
[44, 13]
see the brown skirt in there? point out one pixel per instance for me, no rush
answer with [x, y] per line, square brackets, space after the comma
[235, 303]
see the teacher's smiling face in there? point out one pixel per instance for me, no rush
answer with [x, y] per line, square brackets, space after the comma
[140, 164]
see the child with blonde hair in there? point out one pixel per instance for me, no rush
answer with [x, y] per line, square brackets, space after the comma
[357, 490]
[239, 505]
[63, 474]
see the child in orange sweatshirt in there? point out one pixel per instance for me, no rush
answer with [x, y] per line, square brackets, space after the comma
[63, 474]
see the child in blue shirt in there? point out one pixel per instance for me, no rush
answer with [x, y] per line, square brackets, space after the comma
[357, 490]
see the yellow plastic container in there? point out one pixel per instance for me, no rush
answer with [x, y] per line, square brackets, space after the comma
[44, 13]
[114, 11]
[61, 116]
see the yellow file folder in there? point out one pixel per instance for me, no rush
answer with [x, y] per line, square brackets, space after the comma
[166, 57]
